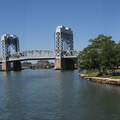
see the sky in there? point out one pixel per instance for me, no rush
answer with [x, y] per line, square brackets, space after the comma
[35, 21]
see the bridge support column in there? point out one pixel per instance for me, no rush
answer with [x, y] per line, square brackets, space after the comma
[17, 65]
[6, 66]
[58, 64]
[68, 64]
[64, 64]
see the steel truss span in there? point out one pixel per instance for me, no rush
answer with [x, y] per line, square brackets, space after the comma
[41, 54]
[33, 53]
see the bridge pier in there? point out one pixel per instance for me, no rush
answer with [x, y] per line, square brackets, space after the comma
[68, 64]
[6, 66]
[58, 64]
[16, 65]
[64, 64]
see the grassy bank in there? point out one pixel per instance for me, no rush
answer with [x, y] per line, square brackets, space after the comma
[109, 75]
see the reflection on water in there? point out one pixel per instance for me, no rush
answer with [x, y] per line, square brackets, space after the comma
[56, 95]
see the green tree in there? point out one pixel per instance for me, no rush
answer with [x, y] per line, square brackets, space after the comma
[99, 55]
[118, 55]
[88, 59]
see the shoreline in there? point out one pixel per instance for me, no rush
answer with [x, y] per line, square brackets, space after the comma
[101, 80]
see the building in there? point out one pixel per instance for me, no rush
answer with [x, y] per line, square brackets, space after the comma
[43, 64]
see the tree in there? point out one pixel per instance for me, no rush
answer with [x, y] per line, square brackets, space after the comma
[118, 55]
[99, 55]
[88, 59]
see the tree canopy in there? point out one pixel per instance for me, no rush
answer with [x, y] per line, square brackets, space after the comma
[102, 54]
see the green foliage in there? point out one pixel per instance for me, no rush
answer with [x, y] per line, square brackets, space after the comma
[118, 54]
[103, 54]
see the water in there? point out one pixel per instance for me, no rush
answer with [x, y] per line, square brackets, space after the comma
[56, 95]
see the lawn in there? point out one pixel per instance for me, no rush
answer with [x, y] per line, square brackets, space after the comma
[95, 73]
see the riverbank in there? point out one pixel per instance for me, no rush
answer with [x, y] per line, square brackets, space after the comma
[101, 80]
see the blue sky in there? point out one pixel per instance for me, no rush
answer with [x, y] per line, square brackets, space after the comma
[35, 21]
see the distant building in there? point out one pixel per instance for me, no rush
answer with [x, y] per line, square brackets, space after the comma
[43, 64]
[26, 65]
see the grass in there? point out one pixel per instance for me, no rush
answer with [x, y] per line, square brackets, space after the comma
[91, 73]
[95, 73]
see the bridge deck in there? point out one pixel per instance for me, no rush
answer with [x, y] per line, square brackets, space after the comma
[32, 58]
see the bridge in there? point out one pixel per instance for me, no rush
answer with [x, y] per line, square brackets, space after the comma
[63, 54]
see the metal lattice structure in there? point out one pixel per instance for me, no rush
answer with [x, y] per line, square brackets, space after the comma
[63, 47]
[63, 40]
[41, 54]
[7, 41]
[33, 54]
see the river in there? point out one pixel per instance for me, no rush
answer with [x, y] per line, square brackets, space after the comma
[47, 94]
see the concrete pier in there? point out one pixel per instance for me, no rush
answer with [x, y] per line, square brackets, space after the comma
[64, 64]
[58, 64]
[6, 66]
[16, 65]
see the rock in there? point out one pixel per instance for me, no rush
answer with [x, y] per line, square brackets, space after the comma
[101, 80]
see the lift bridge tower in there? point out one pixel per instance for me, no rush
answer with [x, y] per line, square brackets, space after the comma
[63, 46]
[7, 42]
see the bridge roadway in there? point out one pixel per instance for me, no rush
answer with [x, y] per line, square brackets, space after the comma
[40, 54]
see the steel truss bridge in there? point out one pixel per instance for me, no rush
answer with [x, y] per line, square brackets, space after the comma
[40, 54]
[64, 54]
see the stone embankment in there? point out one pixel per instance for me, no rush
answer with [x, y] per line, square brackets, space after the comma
[101, 80]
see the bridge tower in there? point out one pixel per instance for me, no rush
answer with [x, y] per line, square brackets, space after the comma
[63, 44]
[7, 41]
